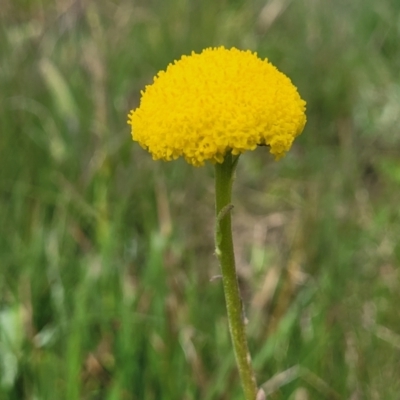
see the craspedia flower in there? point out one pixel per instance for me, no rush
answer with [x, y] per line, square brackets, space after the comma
[220, 100]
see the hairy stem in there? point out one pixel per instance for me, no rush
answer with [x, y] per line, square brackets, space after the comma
[224, 249]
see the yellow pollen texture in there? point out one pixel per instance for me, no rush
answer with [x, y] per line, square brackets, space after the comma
[220, 100]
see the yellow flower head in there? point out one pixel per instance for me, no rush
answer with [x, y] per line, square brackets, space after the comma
[220, 100]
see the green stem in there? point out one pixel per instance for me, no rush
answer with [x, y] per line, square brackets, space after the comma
[224, 249]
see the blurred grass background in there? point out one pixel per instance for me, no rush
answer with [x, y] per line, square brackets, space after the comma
[106, 288]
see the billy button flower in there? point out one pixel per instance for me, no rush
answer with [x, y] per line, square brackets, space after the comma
[220, 100]
[214, 106]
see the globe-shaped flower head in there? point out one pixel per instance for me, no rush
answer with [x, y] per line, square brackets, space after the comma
[220, 100]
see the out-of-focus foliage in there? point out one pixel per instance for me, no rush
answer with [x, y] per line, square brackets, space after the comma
[107, 266]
